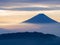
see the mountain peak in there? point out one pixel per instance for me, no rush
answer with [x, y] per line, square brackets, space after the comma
[40, 18]
[41, 14]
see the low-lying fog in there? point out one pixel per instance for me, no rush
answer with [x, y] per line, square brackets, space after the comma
[44, 28]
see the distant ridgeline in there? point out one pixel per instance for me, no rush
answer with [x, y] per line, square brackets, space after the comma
[29, 35]
[40, 18]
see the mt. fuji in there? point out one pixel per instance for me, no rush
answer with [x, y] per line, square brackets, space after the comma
[40, 18]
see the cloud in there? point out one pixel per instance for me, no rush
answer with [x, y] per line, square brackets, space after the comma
[32, 1]
[45, 28]
[12, 2]
[32, 8]
[7, 4]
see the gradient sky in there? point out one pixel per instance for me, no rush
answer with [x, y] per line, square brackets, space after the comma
[16, 11]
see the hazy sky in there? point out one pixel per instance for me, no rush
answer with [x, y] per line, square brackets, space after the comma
[13, 12]
[16, 11]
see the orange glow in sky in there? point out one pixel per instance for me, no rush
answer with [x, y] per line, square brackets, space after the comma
[8, 17]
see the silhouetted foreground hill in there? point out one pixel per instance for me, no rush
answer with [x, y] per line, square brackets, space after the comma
[29, 38]
[27, 35]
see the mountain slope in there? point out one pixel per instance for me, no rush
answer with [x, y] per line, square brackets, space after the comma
[40, 18]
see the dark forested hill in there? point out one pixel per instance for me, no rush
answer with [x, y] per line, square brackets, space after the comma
[29, 38]
[26, 35]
